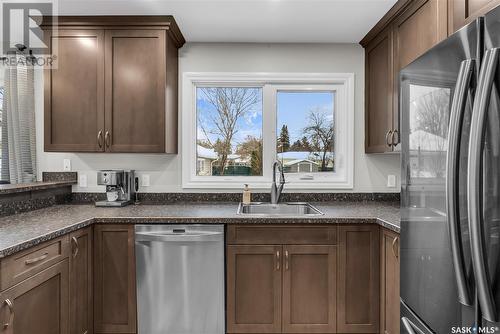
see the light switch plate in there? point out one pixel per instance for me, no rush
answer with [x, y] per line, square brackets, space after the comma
[391, 181]
[82, 181]
[66, 165]
[145, 180]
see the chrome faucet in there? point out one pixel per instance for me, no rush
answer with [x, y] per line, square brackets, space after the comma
[276, 190]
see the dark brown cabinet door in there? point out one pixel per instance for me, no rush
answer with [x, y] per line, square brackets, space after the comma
[465, 11]
[38, 304]
[358, 300]
[74, 92]
[379, 93]
[114, 279]
[421, 26]
[390, 282]
[80, 282]
[135, 90]
[254, 289]
[309, 289]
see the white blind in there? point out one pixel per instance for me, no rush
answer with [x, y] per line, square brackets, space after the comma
[18, 124]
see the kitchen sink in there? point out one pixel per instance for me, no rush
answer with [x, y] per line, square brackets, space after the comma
[280, 209]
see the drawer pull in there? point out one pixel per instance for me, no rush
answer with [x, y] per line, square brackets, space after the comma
[278, 260]
[394, 247]
[75, 246]
[11, 311]
[37, 259]
[286, 260]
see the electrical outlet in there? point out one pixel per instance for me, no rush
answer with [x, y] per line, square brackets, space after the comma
[391, 181]
[145, 181]
[66, 165]
[82, 181]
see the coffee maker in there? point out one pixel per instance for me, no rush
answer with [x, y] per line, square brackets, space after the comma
[119, 187]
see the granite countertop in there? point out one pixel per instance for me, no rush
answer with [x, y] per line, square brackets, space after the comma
[7, 189]
[18, 232]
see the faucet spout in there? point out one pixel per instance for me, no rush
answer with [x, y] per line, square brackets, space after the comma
[275, 189]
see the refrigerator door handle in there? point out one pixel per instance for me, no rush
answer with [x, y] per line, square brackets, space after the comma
[410, 327]
[452, 169]
[474, 186]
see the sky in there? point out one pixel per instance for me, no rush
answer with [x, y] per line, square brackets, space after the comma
[292, 110]
[250, 125]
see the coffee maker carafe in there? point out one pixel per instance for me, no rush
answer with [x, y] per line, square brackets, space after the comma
[119, 187]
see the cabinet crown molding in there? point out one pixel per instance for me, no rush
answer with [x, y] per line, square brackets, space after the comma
[166, 22]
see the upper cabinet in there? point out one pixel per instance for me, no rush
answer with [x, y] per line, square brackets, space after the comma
[135, 90]
[114, 86]
[465, 11]
[418, 28]
[379, 97]
[408, 30]
[74, 92]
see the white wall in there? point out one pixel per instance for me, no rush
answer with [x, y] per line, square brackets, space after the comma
[370, 170]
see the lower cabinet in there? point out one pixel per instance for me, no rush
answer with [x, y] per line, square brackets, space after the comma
[358, 301]
[114, 279]
[254, 289]
[38, 304]
[389, 294]
[80, 282]
[309, 289]
[281, 289]
[281, 278]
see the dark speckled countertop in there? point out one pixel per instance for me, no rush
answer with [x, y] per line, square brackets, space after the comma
[28, 229]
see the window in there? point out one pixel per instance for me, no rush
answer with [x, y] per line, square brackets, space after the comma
[2, 70]
[305, 141]
[235, 125]
[229, 131]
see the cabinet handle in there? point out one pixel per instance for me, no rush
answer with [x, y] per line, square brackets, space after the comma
[286, 260]
[11, 311]
[36, 259]
[106, 139]
[395, 134]
[99, 138]
[277, 260]
[75, 246]
[387, 135]
[394, 248]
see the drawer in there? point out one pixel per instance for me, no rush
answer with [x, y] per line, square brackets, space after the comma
[282, 234]
[22, 265]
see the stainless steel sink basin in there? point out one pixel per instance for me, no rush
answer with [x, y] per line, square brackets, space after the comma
[280, 209]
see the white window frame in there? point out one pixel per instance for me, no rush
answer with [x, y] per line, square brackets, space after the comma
[341, 83]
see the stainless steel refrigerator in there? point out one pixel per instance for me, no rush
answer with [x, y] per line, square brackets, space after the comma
[450, 189]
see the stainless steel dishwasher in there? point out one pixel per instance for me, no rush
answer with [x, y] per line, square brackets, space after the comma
[180, 279]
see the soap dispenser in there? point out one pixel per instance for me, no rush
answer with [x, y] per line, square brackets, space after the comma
[247, 195]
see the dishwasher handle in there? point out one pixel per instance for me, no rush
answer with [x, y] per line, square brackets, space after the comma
[179, 237]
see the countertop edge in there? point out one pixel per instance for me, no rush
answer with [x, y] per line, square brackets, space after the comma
[9, 189]
[193, 220]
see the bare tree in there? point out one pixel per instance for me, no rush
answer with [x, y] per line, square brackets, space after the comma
[432, 112]
[230, 103]
[319, 130]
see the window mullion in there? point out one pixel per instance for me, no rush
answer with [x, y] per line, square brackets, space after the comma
[269, 130]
